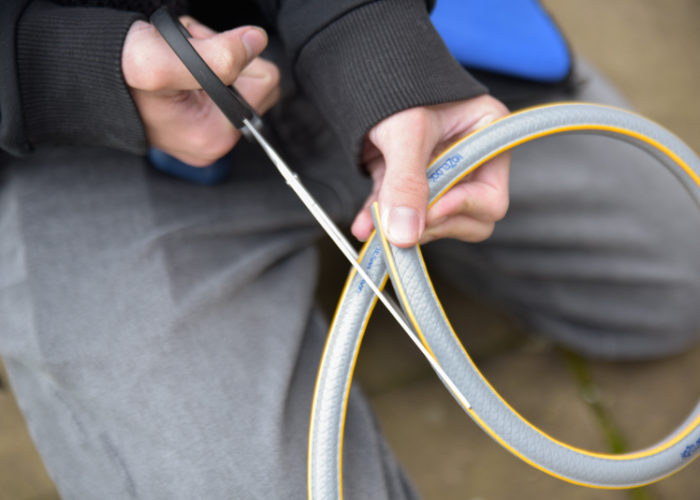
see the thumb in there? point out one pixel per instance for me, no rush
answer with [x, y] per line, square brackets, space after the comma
[225, 53]
[148, 62]
[405, 143]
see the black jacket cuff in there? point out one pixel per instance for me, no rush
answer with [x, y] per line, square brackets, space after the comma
[377, 60]
[71, 84]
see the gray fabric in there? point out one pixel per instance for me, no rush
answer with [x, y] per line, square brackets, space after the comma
[161, 337]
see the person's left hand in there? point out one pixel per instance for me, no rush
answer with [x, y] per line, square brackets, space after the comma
[397, 152]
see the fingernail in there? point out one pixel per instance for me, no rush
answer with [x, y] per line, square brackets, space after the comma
[402, 225]
[254, 41]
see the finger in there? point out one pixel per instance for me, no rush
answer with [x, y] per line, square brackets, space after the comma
[258, 84]
[192, 130]
[149, 63]
[459, 227]
[195, 28]
[225, 53]
[187, 125]
[406, 142]
[483, 195]
[363, 225]
[495, 172]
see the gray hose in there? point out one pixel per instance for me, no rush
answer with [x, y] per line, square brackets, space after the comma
[419, 301]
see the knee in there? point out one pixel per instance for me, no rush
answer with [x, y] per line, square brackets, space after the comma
[635, 320]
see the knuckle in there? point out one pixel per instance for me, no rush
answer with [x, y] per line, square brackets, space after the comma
[410, 186]
[480, 233]
[420, 116]
[466, 205]
[490, 105]
[487, 231]
[274, 77]
[186, 20]
[135, 55]
[153, 79]
[141, 74]
[272, 73]
[226, 65]
[499, 108]
[420, 120]
[208, 147]
[500, 207]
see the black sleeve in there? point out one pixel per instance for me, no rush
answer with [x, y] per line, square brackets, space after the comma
[361, 60]
[11, 125]
[63, 82]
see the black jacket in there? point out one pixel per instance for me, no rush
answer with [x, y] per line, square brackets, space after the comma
[358, 60]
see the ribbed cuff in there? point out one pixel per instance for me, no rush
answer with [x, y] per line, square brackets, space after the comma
[375, 61]
[72, 88]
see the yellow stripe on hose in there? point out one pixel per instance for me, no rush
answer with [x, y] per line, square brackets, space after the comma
[572, 128]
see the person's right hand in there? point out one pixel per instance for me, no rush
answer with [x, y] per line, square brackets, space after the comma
[179, 118]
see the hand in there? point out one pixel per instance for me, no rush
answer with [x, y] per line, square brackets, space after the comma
[179, 118]
[397, 152]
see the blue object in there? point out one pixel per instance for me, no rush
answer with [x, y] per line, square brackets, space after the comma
[512, 37]
[209, 175]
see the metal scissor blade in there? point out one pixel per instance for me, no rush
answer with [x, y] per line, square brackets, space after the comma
[347, 249]
[327, 224]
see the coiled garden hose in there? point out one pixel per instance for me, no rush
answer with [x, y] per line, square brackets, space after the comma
[420, 303]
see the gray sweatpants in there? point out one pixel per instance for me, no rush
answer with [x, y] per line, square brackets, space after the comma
[162, 339]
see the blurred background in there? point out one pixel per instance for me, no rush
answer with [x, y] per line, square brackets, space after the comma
[650, 50]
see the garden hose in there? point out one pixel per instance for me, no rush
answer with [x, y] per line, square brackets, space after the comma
[412, 285]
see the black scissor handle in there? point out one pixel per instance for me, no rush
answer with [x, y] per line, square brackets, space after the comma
[227, 98]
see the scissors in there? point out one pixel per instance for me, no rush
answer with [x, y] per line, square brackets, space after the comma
[242, 115]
